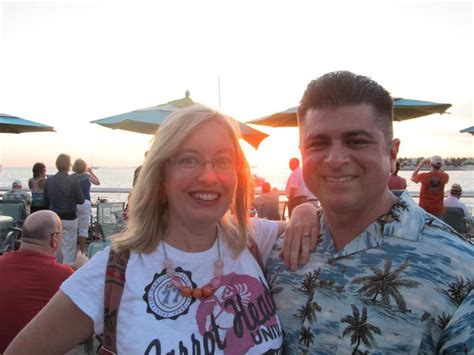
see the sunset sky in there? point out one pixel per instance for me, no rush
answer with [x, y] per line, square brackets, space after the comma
[66, 63]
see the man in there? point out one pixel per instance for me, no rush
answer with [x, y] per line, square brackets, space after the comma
[62, 192]
[267, 203]
[16, 194]
[386, 277]
[432, 185]
[31, 276]
[295, 189]
[453, 200]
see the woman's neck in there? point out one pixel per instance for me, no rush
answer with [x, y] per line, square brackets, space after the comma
[191, 240]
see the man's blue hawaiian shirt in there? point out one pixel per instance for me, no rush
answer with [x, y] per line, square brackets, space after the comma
[403, 286]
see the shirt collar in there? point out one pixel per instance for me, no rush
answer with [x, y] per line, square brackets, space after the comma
[404, 220]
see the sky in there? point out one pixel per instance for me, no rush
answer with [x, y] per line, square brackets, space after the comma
[66, 63]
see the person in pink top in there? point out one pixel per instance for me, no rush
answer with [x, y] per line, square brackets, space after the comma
[396, 182]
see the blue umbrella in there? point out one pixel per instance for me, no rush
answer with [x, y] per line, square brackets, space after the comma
[13, 124]
[468, 130]
[148, 120]
[404, 109]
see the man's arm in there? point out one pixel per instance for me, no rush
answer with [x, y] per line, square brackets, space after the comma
[292, 193]
[420, 165]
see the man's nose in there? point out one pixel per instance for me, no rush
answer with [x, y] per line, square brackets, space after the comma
[336, 156]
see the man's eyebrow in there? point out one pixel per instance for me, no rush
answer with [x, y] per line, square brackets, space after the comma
[354, 133]
[359, 132]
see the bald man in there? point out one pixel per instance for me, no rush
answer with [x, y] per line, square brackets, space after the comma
[31, 276]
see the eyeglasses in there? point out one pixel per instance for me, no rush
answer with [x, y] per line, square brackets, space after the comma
[194, 163]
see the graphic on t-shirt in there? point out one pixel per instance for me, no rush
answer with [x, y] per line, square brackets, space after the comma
[241, 313]
[165, 301]
[434, 183]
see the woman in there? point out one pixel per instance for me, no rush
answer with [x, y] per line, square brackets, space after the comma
[86, 177]
[36, 185]
[191, 282]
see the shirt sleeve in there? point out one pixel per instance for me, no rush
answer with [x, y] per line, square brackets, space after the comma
[85, 288]
[419, 177]
[266, 233]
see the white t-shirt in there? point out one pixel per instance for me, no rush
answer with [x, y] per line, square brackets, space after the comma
[154, 318]
[452, 201]
[296, 181]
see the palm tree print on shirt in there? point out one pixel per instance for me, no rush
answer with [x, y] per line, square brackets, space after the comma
[359, 329]
[386, 283]
[307, 312]
[459, 289]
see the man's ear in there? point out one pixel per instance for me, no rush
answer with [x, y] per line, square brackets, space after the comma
[394, 146]
[54, 242]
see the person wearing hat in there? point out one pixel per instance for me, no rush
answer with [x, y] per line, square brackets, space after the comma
[16, 194]
[453, 199]
[432, 185]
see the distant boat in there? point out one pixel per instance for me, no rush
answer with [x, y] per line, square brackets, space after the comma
[94, 167]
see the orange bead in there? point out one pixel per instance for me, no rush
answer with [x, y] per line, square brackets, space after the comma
[207, 291]
[187, 291]
[197, 293]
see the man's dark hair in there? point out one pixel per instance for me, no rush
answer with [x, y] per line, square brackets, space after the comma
[343, 88]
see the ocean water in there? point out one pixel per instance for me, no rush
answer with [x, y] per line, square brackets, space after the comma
[123, 177]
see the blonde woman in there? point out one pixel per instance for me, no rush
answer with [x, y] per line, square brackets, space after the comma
[86, 177]
[191, 283]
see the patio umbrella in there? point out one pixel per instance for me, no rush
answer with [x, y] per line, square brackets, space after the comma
[404, 109]
[13, 124]
[148, 120]
[468, 130]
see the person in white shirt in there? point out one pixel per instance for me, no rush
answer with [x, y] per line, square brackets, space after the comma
[295, 189]
[453, 199]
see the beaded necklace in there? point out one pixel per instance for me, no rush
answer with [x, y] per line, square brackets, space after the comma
[208, 289]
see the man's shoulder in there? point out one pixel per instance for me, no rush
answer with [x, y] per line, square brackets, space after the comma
[442, 237]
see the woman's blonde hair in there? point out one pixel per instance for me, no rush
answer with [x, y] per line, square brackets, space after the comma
[148, 215]
[79, 166]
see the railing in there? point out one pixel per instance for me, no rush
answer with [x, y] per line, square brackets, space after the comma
[120, 194]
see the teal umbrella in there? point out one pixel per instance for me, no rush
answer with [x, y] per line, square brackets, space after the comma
[468, 130]
[16, 125]
[148, 120]
[404, 109]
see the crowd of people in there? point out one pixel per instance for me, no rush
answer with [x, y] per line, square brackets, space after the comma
[357, 269]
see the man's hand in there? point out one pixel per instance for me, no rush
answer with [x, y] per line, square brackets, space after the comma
[81, 259]
[301, 235]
